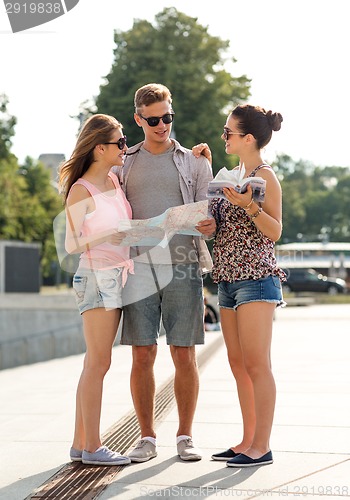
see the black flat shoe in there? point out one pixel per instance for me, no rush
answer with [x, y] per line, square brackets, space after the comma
[224, 455]
[245, 461]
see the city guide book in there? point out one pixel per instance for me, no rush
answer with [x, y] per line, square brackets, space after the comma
[235, 179]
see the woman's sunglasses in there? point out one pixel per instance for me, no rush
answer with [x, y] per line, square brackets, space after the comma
[120, 142]
[226, 133]
[154, 120]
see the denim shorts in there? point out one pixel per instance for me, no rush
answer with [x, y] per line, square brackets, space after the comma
[98, 288]
[175, 297]
[268, 289]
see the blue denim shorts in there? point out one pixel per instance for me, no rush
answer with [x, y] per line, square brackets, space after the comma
[232, 295]
[98, 288]
[175, 297]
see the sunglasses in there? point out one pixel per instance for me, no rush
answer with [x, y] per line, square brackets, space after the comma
[154, 120]
[121, 143]
[226, 133]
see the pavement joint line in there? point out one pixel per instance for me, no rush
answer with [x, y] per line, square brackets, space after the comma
[83, 482]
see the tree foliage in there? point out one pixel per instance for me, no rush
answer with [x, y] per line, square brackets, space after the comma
[178, 52]
[315, 201]
[28, 201]
[7, 128]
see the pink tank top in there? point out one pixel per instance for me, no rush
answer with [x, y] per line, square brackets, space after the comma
[108, 211]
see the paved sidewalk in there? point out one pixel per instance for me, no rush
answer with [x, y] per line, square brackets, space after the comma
[310, 438]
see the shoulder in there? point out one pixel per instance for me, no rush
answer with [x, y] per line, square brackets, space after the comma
[200, 163]
[114, 177]
[199, 169]
[273, 185]
[266, 172]
[78, 192]
[178, 147]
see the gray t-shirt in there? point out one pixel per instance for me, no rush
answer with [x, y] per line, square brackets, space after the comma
[153, 186]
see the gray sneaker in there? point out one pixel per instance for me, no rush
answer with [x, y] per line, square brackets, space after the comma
[104, 456]
[75, 455]
[187, 451]
[143, 451]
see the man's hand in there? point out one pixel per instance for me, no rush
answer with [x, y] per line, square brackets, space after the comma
[207, 226]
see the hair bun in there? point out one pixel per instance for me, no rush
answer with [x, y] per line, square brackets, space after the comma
[275, 120]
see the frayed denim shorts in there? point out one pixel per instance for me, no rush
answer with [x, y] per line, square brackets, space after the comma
[98, 288]
[268, 289]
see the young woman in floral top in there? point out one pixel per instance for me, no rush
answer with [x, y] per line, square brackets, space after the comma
[249, 281]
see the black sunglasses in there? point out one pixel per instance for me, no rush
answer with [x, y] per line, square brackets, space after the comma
[120, 142]
[154, 120]
[226, 133]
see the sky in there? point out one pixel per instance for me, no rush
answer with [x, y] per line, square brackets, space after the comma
[295, 52]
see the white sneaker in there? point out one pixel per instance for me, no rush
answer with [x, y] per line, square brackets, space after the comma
[143, 451]
[104, 456]
[187, 451]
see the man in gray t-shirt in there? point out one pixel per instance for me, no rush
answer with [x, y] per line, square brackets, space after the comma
[167, 285]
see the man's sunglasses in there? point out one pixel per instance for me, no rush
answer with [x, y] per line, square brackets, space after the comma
[120, 142]
[154, 120]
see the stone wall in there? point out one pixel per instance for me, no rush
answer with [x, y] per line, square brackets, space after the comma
[35, 327]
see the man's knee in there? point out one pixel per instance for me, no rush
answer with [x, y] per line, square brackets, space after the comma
[183, 356]
[144, 355]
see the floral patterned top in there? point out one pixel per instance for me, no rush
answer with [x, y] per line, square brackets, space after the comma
[241, 251]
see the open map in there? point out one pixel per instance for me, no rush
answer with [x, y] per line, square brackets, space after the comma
[159, 230]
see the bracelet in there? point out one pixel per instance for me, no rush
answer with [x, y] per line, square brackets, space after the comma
[258, 212]
[249, 205]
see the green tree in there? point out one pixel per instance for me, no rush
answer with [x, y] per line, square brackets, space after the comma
[12, 187]
[12, 199]
[178, 52]
[315, 200]
[44, 204]
[28, 201]
[7, 128]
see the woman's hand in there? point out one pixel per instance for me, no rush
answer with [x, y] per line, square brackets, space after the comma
[115, 237]
[240, 199]
[202, 149]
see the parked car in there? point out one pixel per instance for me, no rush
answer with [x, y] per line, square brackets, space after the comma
[309, 280]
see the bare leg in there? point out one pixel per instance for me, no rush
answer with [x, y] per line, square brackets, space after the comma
[143, 387]
[186, 386]
[255, 334]
[244, 384]
[100, 328]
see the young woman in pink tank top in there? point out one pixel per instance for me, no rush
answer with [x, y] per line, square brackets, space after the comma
[95, 203]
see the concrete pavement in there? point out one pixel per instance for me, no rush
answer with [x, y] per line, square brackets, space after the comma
[310, 439]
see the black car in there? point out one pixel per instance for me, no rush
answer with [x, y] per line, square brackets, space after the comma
[309, 280]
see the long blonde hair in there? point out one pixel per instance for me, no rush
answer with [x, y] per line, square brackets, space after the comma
[98, 129]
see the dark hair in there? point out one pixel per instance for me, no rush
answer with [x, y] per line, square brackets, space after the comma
[97, 129]
[258, 122]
